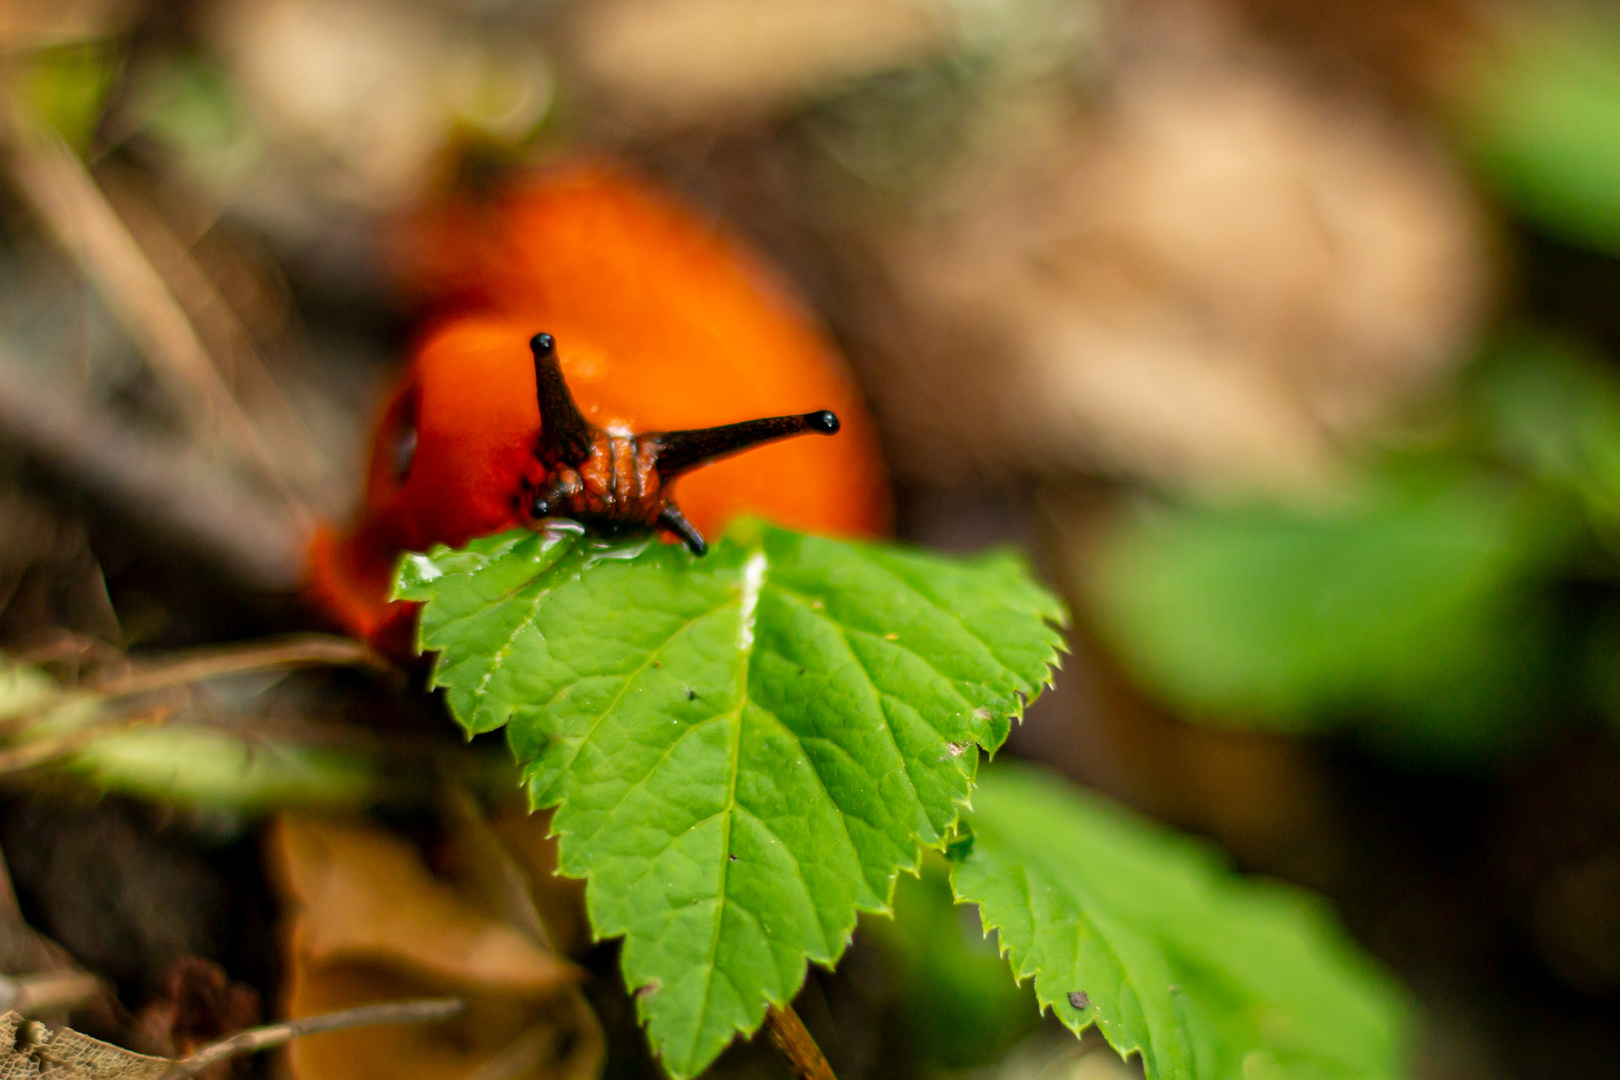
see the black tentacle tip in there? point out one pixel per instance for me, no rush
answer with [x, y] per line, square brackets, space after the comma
[672, 519]
[822, 420]
[543, 344]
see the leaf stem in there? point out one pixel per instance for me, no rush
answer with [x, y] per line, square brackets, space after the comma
[794, 1040]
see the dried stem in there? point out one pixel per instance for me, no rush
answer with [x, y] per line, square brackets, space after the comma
[66, 196]
[253, 1040]
[794, 1040]
[173, 494]
[302, 651]
[48, 991]
[523, 1056]
[218, 327]
[38, 752]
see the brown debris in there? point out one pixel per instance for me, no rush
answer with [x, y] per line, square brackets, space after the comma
[369, 921]
[201, 1005]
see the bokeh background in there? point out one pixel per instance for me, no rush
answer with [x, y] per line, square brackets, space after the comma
[1282, 334]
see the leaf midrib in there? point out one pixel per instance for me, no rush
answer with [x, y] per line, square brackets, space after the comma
[748, 611]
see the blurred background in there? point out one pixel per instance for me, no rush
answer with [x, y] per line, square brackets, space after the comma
[1284, 335]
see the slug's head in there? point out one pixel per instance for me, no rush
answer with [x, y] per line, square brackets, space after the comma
[619, 482]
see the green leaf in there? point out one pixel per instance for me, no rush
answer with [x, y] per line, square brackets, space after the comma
[209, 766]
[1148, 936]
[746, 747]
[66, 86]
[947, 979]
[1552, 410]
[1410, 611]
[1542, 125]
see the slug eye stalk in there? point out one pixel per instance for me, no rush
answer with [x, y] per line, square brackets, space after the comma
[620, 482]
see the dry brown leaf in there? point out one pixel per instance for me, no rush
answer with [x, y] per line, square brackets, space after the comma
[369, 922]
[673, 63]
[200, 1005]
[1211, 279]
[30, 1049]
[26, 24]
[560, 900]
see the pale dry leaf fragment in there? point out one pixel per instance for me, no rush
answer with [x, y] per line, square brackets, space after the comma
[369, 922]
[672, 63]
[357, 98]
[33, 24]
[1212, 279]
[30, 1049]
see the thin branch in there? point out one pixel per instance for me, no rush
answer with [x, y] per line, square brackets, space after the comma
[174, 495]
[302, 651]
[47, 991]
[40, 751]
[255, 1040]
[794, 1040]
[53, 179]
[218, 327]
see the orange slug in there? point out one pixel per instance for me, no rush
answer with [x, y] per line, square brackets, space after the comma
[653, 322]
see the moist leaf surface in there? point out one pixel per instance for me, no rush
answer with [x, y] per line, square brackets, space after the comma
[1145, 934]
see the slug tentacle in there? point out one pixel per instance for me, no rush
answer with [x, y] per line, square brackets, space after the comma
[619, 482]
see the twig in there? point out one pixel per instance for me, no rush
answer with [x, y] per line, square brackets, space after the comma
[174, 495]
[65, 195]
[301, 651]
[218, 327]
[794, 1040]
[254, 1040]
[42, 750]
[48, 991]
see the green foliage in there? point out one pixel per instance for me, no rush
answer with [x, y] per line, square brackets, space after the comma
[178, 763]
[1542, 125]
[960, 1008]
[66, 85]
[1429, 611]
[1146, 935]
[192, 107]
[1552, 410]
[745, 749]
[1409, 608]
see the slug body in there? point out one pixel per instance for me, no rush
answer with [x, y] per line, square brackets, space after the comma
[664, 337]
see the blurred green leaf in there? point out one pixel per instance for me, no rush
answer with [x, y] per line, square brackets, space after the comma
[1147, 935]
[66, 87]
[192, 106]
[179, 763]
[960, 1007]
[1410, 610]
[215, 768]
[1541, 123]
[1552, 409]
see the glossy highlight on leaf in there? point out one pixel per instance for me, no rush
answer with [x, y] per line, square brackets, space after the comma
[1146, 935]
[744, 748]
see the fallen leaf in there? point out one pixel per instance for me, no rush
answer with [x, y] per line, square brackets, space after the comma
[673, 63]
[30, 1049]
[560, 900]
[1210, 280]
[369, 922]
